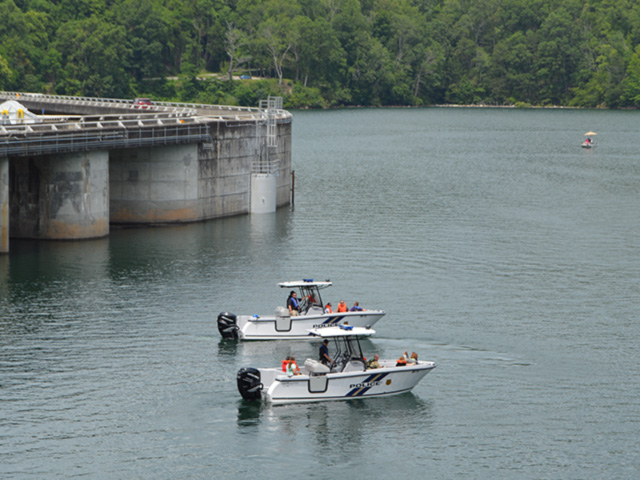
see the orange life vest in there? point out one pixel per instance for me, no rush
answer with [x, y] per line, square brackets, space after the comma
[401, 361]
[342, 307]
[287, 362]
[328, 309]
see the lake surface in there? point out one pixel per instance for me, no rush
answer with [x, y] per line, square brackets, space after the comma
[498, 247]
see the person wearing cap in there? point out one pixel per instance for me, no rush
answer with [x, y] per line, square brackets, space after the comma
[327, 309]
[324, 353]
[293, 305]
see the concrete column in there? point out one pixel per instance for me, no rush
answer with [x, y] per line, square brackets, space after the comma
[283, 153]
[61, 197]
[154, 185]
[4, 205]
[263, 193]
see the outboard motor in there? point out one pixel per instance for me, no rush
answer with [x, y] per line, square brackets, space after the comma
[227, 325]
[249, 384]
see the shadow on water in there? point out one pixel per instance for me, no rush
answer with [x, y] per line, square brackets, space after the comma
[249, 413]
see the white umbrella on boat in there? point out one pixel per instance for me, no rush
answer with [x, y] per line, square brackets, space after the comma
[588, 143]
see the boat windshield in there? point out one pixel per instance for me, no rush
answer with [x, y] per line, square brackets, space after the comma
[347, 349]
[309, 296]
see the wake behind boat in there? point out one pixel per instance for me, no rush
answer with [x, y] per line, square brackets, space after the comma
[348, 377]
[283, 325]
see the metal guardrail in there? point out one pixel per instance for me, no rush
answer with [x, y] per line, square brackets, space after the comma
[162, 123]
[104, 137]
[156, 107]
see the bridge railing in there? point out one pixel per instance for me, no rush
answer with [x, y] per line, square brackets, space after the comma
[133, 127]
[125, 103]
[222, 112]
[61, 138]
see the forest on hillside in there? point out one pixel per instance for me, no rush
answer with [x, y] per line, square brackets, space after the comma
[326, 53]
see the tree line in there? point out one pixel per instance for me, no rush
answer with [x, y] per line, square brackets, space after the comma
[324, 53]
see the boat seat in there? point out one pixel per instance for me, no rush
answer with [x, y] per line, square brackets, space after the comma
[315, 310]
[354, 365]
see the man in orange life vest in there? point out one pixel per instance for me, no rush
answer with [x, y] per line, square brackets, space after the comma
[342, 307]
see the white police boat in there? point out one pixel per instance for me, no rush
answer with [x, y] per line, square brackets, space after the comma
[282, 325]
[346, 379]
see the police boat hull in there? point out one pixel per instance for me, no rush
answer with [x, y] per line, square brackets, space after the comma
[282, 325]
[296, 328]
[346, 379]
[379, 382]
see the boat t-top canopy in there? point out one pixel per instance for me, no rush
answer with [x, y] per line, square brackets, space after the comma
[341, 331]
[307, 282]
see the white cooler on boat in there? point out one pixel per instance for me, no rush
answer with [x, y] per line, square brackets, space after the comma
[314, 367]
[283, 319]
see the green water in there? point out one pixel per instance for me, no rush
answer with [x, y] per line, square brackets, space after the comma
[497, 246]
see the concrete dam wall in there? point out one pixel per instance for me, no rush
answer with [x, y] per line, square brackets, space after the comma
[194, 182]
[75, 179]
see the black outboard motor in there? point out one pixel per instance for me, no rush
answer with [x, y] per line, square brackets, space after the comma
[249, 384]
[227, 325]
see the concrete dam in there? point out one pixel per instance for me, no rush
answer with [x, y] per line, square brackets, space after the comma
[70, 167]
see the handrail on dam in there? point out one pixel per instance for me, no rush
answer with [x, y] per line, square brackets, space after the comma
[175, 107]
[159, 124]
[102, 135]
[217, 112]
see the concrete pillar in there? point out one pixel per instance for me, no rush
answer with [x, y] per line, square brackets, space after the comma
[61, 197]
[263, 193]
[283, 153]
[4, 205]
[154, 185]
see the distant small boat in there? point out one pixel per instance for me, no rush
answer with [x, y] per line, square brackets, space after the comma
[588, 143]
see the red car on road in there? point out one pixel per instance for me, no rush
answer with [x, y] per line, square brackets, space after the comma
[142, 103]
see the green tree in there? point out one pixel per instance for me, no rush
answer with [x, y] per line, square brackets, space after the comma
[274, 38]
[606, 85]
[631, 83]
[5, 73]
[512, 68]
[235, 44]
[557, 57]
[94, 54]
[145, 32]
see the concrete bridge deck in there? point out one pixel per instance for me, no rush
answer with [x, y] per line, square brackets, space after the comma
[88, 163]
